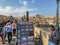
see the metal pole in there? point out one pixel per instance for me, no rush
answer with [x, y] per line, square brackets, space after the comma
[57, 14]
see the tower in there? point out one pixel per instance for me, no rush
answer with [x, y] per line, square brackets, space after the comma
[27, 15]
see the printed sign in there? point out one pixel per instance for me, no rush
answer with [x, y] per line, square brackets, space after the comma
[25, 33]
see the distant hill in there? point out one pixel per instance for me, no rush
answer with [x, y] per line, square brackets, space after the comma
[2, 16]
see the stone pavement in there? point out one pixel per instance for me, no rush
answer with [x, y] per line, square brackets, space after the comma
[13, 42]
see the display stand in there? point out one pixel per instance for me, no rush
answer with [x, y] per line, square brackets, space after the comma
[25, 33]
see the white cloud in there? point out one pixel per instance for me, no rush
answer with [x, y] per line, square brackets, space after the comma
[25, 3]
[14, 11]
[8, 7]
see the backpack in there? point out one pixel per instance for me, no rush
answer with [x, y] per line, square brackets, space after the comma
[0, 29]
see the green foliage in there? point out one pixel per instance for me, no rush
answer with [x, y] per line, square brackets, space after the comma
[11, 18]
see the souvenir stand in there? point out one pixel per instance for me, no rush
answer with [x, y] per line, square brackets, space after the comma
[25, 33]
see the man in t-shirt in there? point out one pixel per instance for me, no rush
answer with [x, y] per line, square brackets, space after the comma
[9, 32]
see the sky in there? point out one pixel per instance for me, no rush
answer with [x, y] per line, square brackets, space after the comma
[19, 7]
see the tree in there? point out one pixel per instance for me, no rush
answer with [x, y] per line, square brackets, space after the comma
[11, 18]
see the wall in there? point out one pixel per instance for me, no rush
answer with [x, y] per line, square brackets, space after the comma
[44, 34]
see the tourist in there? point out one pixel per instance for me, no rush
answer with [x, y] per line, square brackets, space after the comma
[9, 32]
[14, 26]
[54, 36]
[5, 31]
[2, 33]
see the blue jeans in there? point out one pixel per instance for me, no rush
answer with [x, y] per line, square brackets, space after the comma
[51, 43]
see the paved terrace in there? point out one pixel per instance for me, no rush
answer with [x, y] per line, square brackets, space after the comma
[13, 42]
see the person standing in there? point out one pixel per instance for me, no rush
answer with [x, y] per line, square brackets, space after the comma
[54, 36]
[14, 26]
[9, 32]
[5, 31]
[2, 32]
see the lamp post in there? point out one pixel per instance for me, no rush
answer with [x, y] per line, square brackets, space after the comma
[57, 14]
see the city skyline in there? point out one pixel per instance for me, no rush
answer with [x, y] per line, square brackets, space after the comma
[19, 7]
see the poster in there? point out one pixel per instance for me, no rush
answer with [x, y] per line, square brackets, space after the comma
[25, 33]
